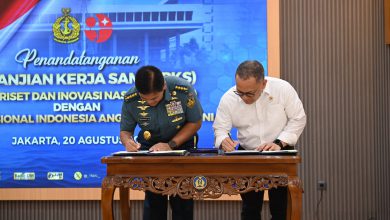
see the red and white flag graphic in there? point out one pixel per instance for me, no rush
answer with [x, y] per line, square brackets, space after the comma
[12, 15]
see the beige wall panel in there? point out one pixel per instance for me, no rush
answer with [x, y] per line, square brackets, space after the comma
[333, 53]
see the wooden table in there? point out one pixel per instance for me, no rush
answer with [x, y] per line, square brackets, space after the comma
[199, 177]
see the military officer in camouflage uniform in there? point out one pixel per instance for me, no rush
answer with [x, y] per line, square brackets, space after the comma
[169, 114]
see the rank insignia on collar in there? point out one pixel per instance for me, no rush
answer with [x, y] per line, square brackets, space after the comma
[143, 107]
[142, 102]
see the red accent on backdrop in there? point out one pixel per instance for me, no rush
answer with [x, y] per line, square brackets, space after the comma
[12, 10]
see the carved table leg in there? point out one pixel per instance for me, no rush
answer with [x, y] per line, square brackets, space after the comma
[108, 190]
[294, 207]
[124, 200]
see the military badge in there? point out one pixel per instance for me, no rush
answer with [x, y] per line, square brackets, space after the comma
[191, 102]
[143, 107]
[144, 124]
[147, 135]
[143, 114]
[174, 108]
[173, 95]
[177, 119]
[200, 182]
[66, 29]
[144, 119]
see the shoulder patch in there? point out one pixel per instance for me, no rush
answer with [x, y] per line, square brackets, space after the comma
[130, 97]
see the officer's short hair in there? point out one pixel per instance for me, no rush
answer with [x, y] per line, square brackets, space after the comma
[149, 79]
[250, 68]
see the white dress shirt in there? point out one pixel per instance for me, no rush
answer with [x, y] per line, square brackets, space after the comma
[277, 114]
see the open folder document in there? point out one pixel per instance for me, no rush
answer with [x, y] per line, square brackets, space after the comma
[153, 153]
[255, 152]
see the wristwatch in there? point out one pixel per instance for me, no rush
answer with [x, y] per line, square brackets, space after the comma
[279, 142]
[172, 144]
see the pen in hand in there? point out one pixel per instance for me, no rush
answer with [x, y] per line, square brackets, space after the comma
[137, 145]
[230, 136]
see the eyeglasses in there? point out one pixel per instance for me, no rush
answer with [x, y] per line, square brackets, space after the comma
[247, 94]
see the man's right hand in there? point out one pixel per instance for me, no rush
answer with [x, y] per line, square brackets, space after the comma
[228, 144]
[132, 146]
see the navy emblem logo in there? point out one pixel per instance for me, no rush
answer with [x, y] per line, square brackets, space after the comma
[66, 29]
[200, 182]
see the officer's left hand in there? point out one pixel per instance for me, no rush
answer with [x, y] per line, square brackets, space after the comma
[268, 147]
[160, 147]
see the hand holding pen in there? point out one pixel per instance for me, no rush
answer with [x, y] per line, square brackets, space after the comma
[228, 144]
[132, 145]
